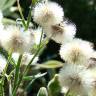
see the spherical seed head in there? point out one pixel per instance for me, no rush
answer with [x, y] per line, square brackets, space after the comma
[48, 13]
[89, 81]
[70, 77]
[60, 33]
[9, 37]
[76, 52]
[12, 39]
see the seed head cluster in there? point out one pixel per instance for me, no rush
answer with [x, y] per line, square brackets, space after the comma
[79, 71]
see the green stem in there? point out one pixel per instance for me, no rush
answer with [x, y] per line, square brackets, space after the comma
[3, 77]
[41, 39]
[1, 89]
[17, 71]
[29, 18]
[25, 72]
[27, 68]
[28, 86]
[20, 10]
[67, 94]
[10, 88]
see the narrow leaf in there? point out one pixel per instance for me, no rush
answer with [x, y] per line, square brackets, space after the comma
[42, 92]
[50, 64]
[17, 71]
[20, 10]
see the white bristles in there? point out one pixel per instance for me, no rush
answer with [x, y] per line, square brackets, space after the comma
[76, 52]
[48, 13]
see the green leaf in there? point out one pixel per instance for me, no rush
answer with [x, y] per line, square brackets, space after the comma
[40, 75]
[54, 87]
[42, 92]
[10, 88]
[34, 1]
[8, 4]
[35, 76]
[50, 64]
[8, 21]
[17, 71]
[2, 4]
[29, 18]
[1, 89]
[20, 10]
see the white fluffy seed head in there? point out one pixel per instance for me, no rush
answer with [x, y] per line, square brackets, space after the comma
[61, 33]
[94, 55]
[9, 36]
[3, 63]
[87, 78]
[76, 52]
[89, 82]
[13, 39]
[48, 13]
[70, 77]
